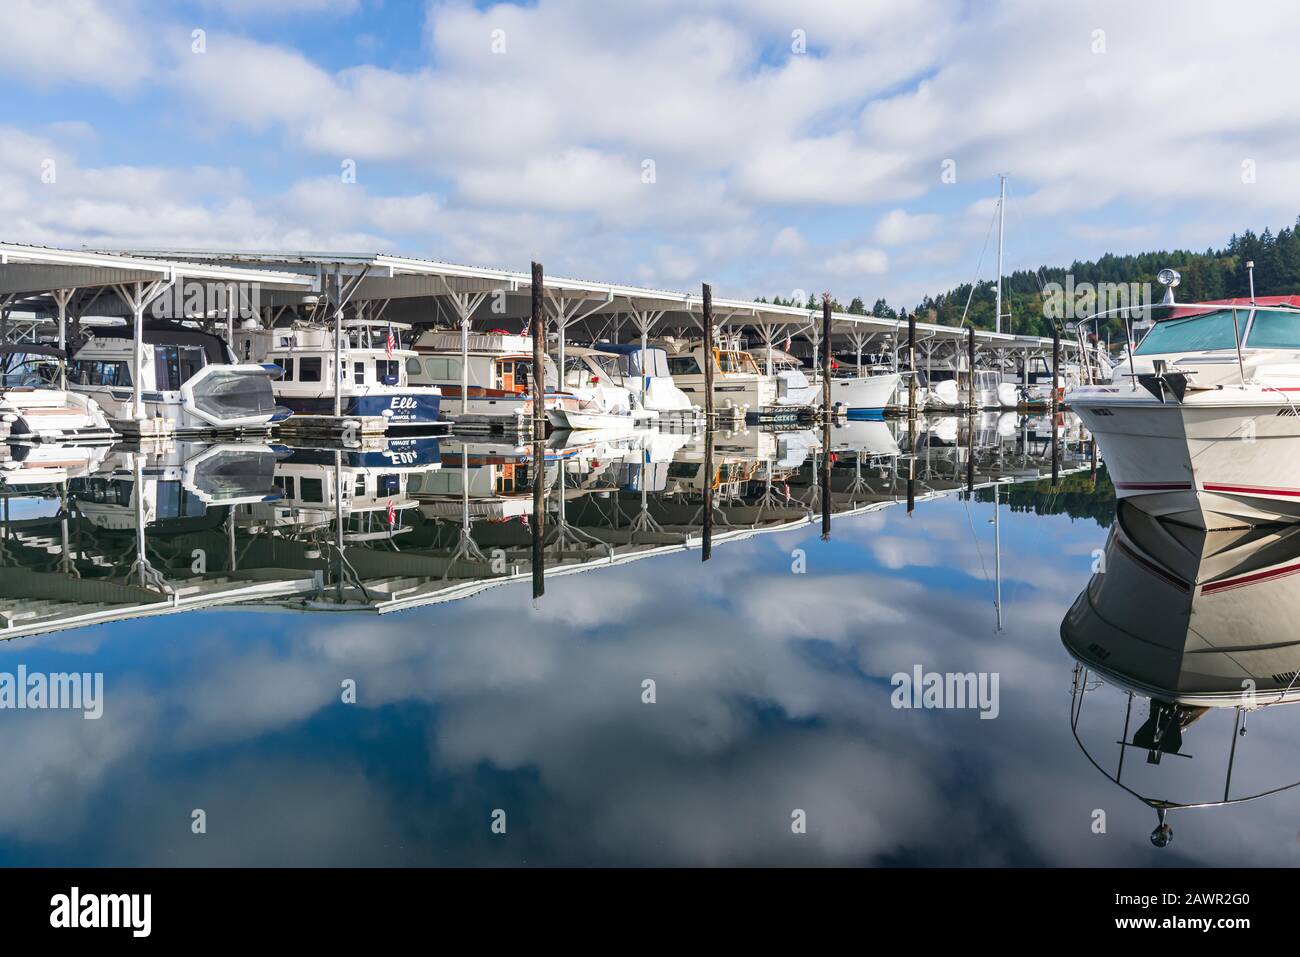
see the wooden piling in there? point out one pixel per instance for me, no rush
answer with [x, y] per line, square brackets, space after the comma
[539, 510]
[970, 456]
[970, 371]
[911, 365]
[538, 330]
[706, 538]
[826, 354]
[708, 355]
[911, 464]
[826, 478]
[1056, 365]
[1055, 405]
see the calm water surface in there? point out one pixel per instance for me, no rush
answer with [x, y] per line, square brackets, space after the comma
[229, 657]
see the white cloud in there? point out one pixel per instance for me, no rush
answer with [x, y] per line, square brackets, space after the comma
[553, 132]
[789, 242]
[73, 41]
[899, 227]
[862, 262]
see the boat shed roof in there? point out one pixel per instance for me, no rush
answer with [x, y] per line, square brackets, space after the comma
[394, 277]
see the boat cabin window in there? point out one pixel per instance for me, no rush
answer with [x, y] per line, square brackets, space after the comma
[94, 372]
[1203, 333]
[388, 371]
[313, 489]
[736, 362]
[441, 369]
[683, 365]
[175, 365]
[413, 366]
[309, 369]
[1275, 329]
[27, 370]
[507, 376]
[286, 365]
[359, 373]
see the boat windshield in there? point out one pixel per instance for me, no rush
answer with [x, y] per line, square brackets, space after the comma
[23, 370]
[737, 362]
[1203, 333]
[1275, 329]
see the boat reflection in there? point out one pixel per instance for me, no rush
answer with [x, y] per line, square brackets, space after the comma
[1199, 624]
[95, 534]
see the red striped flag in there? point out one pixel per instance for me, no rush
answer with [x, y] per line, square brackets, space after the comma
[392, 513]
[389, 344]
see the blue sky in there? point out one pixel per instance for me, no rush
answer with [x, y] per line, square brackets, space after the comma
[793, 146]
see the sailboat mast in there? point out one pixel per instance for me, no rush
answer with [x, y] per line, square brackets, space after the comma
[1002, 217]
[997, 557]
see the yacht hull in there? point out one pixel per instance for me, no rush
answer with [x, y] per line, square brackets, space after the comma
[1221, 459]
[52, 415]
[565, 419]
[402, 409]
[865, 393]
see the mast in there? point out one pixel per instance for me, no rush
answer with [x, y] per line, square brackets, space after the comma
[1002, 217]
[997, 557]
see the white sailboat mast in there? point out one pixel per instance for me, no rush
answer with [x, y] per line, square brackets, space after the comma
[1002, 217]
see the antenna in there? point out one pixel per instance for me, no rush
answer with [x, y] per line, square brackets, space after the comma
[1250, 270]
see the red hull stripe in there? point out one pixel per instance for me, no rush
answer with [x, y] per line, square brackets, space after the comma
[1153, 568]
[480, 392]
[1253, 490]
[1251, 579]
[1156, 486]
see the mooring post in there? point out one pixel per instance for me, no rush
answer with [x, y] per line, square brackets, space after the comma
[911, 366]
[911, 465]
[707, 322]
[539, 511]
[1056, 367]
[826, 478]
[970, 457]
[970, 375]
[706, 540]
[537, 327]
[1056, 384]
[826, 354]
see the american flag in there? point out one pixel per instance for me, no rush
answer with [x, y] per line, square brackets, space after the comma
[390, 343]
[788, 343]
[392, 513]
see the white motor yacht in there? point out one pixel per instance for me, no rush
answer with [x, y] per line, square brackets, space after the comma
[188, 378]
[590, 379]
[738, 382]
[1202, 426]
[33, 407]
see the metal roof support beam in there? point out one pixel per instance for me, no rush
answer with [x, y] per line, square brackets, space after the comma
[563, 313]
[465, 304]
[644, 320]
[61, 298]
[343, 294]
[137, 298]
